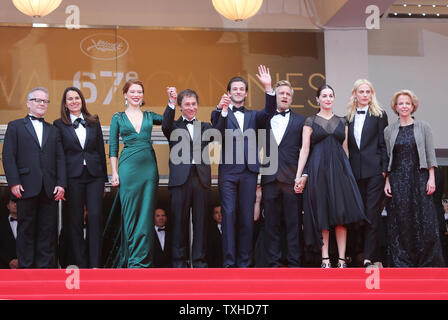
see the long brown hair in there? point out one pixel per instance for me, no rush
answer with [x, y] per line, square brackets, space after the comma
[65, 113]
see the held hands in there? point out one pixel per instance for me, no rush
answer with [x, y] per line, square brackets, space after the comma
[172, 95]
[59, 193]
[300, 184]
[17, 191]
[115, 180]
[265, 77]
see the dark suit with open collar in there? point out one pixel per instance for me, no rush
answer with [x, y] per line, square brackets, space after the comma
[189, 186]
[280, 199]
[7, 242]
[238, 180]
[39, 170]
[162, 257]
[85, 186]
[368, 162]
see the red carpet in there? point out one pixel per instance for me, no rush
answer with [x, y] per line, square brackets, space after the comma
[226, 284]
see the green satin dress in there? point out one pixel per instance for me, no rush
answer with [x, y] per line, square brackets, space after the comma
[132, 213]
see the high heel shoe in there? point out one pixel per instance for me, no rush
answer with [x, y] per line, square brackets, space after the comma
[343, 264]
[325, 265]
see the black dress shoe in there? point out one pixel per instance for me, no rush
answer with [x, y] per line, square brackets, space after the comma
[368, 264]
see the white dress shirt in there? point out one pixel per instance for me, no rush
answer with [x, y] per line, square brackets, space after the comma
[239, 117]
[219, 227]
[13, 225]
[161, 235]
[278, 125]
[81, 131]
[359, 123]
[39, 129]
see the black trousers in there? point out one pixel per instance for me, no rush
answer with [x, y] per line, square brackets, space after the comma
[281, 202]
[37, 231]
[85, 190]
[192, 194]
[372, 192]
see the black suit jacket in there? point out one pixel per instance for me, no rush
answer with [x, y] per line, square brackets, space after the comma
[7, 242]
[162, 258]
[30, 165]
[288, 151]
[93, 151]
[371, 158]
[179, 172]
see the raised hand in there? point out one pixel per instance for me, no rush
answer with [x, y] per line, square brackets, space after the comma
[172, 94]
[264, 77]
[224, 103]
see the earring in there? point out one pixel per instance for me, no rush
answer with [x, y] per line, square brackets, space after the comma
[126, 102]
[318, 103]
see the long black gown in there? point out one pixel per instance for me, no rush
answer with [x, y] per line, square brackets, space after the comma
[331, 195]
[412, 226]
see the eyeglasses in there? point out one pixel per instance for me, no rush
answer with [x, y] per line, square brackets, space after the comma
[39, 101]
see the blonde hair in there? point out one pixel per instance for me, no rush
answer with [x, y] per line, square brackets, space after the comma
[374, 107]
[404, 92]
[284, 83]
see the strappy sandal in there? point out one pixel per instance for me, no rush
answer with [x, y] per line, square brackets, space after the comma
[325, 265]
[343, 264]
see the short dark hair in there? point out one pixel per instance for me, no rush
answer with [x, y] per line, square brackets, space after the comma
[186, 93]
[237, 79]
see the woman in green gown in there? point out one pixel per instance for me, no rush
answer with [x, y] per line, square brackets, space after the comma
[137, 177]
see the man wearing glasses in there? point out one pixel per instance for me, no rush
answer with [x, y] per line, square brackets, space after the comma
[34, 165]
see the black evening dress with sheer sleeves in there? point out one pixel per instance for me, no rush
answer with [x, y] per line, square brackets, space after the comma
[331, 195]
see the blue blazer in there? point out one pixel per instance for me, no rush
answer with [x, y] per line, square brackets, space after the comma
[229, 128]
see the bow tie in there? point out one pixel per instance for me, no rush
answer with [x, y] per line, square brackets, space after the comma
[189, 121]
[360, 112]
[79, 121]
[161, 229]
[12, 219]
[283, 113]
[36, 118]
[240, 109]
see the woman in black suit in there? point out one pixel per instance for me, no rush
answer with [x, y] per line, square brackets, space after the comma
[85, 158]
[368, 159]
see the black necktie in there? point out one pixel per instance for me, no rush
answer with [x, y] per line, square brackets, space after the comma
[79, 121]
[283, 113]
[361, 112]
[36, 118]
[12, 219]
[161, 229]
[240, 109]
